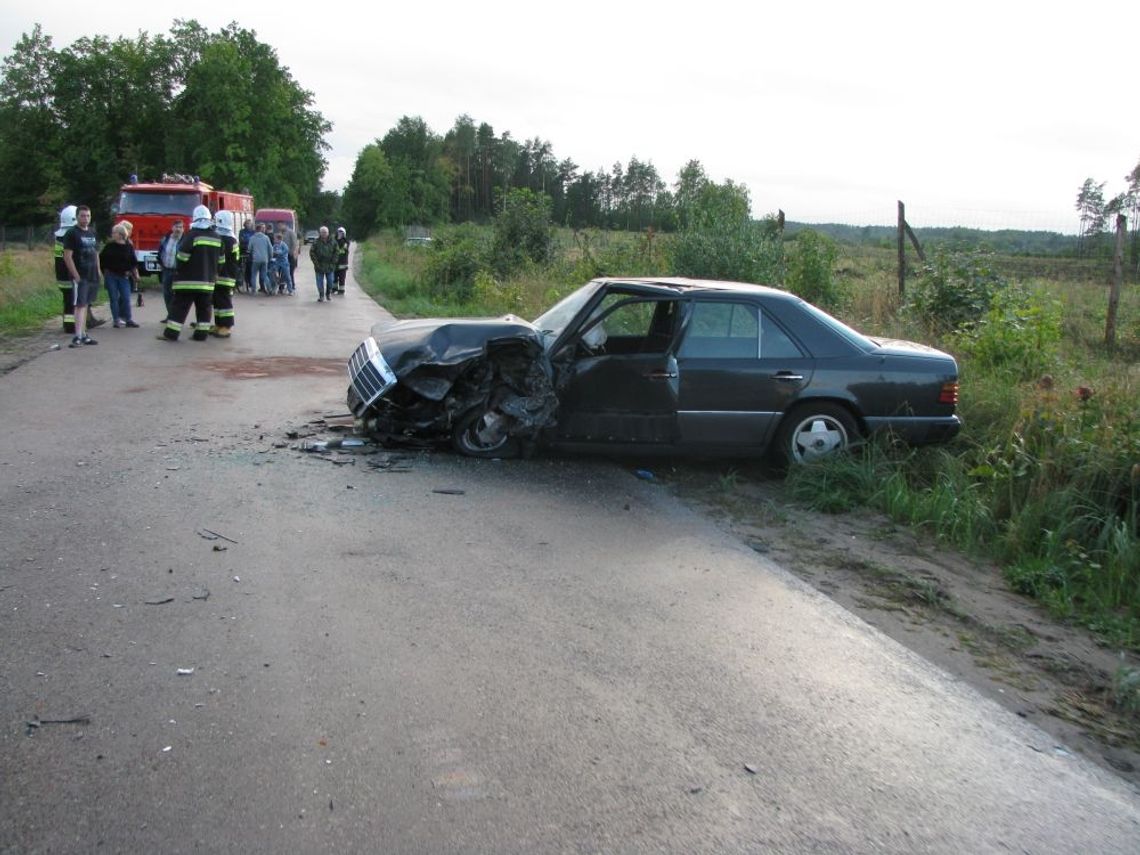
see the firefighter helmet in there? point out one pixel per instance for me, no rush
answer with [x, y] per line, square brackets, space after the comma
[224, 223]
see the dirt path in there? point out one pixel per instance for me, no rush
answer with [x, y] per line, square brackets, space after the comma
[954, 611]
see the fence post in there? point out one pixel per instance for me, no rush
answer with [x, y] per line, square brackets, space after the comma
[902, 250]
[1117, 276]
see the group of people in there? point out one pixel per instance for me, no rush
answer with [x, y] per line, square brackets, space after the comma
[270, 258]
[79, 264]
[201, 267]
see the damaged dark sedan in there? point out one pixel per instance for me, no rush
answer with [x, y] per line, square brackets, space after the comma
[631, 365]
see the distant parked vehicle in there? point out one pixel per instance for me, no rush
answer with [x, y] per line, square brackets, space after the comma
[311, 235]
[273, 217]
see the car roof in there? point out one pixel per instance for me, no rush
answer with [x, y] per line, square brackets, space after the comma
[681, 283]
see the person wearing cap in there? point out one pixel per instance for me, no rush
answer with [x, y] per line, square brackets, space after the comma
[198, 256]
[228, 271]
[81, 258]
[341, 259]
[63, 278]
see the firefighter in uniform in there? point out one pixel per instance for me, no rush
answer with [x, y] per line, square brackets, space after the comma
[198, 256]
[341, 259]
[229, 269]
[62, 276]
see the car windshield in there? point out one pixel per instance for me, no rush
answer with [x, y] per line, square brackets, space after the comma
[553, 321]
[135, 202]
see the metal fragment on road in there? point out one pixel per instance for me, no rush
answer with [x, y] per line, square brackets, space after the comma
[448, 491]
[213, 535]
[184, 672]
[35, 723]
[159, 602]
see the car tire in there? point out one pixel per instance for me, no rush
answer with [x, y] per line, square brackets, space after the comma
[811, 431]
[481, 432]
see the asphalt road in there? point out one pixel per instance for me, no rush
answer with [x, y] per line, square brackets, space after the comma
[431, 654]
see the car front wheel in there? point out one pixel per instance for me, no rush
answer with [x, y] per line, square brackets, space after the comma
[812, 431]
[482, 432]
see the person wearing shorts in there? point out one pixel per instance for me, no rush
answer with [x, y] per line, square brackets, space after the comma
[81, 258]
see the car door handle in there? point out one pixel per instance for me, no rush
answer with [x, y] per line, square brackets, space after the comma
[661, 375]
[787, 375]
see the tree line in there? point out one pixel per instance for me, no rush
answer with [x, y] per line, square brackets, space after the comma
[76, 122]
[1097, 216]
[414, 175]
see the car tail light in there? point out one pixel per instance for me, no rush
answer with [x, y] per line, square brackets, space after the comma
[949, 393]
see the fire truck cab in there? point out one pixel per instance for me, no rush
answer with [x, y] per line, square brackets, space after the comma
[153, 207]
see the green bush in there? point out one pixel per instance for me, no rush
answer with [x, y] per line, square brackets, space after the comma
[809, 269]
[456, 256]
[523, 232]
[955, 290]
[1018, 337]
[735, 251]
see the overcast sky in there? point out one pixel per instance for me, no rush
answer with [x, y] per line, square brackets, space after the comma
[971, 113]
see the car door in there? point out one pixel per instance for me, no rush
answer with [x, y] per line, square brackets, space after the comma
[621, 384]
[739, 372]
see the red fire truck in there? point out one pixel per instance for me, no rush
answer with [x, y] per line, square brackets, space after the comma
[153, 207]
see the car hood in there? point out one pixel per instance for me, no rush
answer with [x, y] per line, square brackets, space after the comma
[406, 345]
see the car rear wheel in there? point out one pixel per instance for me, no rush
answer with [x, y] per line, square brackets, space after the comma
[482, 432]
[812, 431]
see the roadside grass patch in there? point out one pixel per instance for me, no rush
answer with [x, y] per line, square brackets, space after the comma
[29, 295]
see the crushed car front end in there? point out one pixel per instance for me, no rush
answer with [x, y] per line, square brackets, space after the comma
[417, 381]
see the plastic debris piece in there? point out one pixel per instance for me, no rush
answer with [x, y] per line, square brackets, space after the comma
[159, 602]
[448, 491]
[750, 769]
[644, 474]
[184, 672]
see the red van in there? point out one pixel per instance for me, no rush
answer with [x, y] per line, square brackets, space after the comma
[273, 216]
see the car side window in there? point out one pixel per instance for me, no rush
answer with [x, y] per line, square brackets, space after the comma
[625, 324]
[722, 331]
[774, 342]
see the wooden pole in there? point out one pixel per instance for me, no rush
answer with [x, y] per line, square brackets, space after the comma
[1117, 276]
[902, 250]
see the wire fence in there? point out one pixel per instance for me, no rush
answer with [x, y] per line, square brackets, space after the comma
[26, 237]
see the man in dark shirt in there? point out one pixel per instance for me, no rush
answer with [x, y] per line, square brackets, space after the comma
[81, 258]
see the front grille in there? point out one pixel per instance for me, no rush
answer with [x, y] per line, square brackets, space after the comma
[369, 375]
